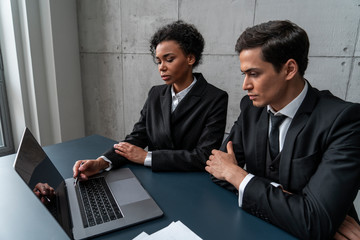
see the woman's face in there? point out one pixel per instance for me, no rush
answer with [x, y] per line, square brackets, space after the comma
[174, 66]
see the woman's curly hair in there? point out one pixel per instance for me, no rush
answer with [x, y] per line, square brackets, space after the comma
[186, 35]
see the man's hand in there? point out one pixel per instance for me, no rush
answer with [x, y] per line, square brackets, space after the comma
[224, 166]
[131, 152]
[88, 168]
[349, 229]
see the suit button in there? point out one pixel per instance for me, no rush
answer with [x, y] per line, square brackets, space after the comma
[272, 168]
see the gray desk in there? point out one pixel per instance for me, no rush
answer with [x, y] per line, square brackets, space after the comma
[207, 209]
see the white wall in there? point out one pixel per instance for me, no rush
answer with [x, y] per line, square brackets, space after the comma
[117, 69]
[39, 41]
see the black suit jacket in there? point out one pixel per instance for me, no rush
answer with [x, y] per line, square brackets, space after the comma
[320, 165]
[182, 140]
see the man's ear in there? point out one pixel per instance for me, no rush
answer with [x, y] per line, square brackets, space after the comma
[191, 59]
[291, 68]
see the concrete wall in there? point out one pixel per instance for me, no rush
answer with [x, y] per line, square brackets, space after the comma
[117, 69]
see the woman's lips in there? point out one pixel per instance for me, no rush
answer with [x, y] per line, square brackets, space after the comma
[165, 77]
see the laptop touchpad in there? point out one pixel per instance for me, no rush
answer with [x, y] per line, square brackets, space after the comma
[128, 191]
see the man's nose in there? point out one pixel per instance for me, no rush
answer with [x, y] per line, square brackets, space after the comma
[246, 83]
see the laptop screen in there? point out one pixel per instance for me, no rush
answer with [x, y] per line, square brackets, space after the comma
[37, 171]
[33, 165]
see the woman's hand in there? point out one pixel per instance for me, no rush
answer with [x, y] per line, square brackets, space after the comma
[131, 152]
[86, 168]
[44, 192]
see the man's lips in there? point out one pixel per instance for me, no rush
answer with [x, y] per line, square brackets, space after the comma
[252, 96]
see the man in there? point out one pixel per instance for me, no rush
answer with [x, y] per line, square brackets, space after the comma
[303, 173]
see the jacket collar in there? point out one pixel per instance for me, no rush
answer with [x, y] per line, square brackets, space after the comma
[186, 104]
[191, 98]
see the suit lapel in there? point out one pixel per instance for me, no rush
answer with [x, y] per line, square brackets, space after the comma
[300, 119]
[165, 99]
[261, 142]
[191, 98]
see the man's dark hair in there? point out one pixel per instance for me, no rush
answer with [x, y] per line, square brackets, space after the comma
[186, 35]
[279, 42]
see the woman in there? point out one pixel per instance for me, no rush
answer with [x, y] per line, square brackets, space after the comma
[181, 121]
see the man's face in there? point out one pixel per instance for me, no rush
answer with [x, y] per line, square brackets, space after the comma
[264, 85]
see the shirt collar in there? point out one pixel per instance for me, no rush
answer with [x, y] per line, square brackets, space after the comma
[291, 109]
[182, 93]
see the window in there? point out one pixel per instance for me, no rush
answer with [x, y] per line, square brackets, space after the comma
[6, 141]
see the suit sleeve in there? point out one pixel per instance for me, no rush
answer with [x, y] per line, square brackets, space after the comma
[236, 138]
[137, 137]
[210, 138]
[318, 210]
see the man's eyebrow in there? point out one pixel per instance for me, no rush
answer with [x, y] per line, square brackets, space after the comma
[249, 70]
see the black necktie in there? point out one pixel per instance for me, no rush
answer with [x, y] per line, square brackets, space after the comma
[274, 134]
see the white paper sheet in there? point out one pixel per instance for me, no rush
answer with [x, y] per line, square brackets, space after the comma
[175, 231]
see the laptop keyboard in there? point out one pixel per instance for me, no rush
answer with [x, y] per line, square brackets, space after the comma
[98, 204]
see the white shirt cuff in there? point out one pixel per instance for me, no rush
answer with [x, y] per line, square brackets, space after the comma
[110, 163]
[148, 160]
[276, 184]
[244, 183]
[242, 187]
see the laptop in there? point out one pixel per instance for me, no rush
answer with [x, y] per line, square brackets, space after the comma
[120, 198]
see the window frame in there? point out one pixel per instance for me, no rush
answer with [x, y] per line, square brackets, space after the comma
[5, 123]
